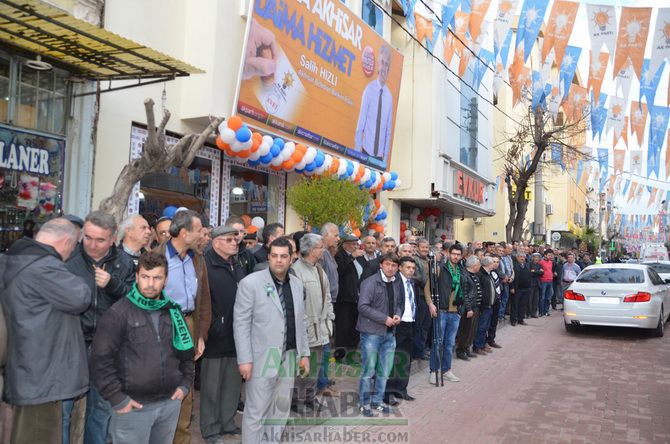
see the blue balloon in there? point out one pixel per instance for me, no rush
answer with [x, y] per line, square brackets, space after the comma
[369, 183]
[320, 158]
[378, 217]
[279, 141]
[254, 162]
[384, 215]
[350, 168]
[310, 167]
[267, 158]
[390, 184]
[275, 150]
[169, 211]
[394, 175]
[298, 171]
[243, 134]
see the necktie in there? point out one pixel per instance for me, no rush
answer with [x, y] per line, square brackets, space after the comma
[410, 294]
[379, 121]
[283, 307]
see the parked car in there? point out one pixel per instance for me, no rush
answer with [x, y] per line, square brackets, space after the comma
[618, 295]
[660, 267]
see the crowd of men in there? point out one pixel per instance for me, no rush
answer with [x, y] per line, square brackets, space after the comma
[107, 325]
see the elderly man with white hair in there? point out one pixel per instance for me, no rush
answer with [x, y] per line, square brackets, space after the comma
[318, 313]
[134, 234]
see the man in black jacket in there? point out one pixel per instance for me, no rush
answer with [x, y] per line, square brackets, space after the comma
[109, 276]
[472, 295]
[270, 233]
[220, 380]
[372, 266]
[142, 358]
[520, 290]
[244, 256]
[350, 263]
[487, 282]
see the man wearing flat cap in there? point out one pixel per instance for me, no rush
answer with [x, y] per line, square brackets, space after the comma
[350, 265]
[219, 377]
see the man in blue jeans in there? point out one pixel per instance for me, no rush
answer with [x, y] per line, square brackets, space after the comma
[380, 306]
[451, 297]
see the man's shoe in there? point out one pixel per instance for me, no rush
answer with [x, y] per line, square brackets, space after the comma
[462, 355]
[548, 314]
[470, 354]
[513, 323]
[534, 316]
[330, 392]
[495, 345]
[479, 351]
[408, 397]
[393, 401]
[449, 376]
[488, 349]
[381, 408]
[367, 412]
[215, 439]
[522, 323]
[235, 431]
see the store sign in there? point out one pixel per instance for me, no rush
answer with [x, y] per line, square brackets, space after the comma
[467, 187]
[316, 72]
[14, 156]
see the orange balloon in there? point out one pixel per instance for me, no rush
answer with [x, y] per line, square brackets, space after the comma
[257, 137]
[230, 152]
[247, 219]
[275, 168]
[254, 147]
[335, 165]
[300, 147]
[234, 123]
[357, 232]
[288, 164]
[379, 229]
[297, 156]
[243, 154]
[252, 229]
[220, 144]
[377, 203]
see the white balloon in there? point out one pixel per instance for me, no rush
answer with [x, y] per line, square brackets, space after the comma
[223, 126]
[269, 140]
[301, 165]
[248, 144]
[397, 183]
[310, 154]
[342, 168]
[236, 146]
[387, 177]
[319, 170]
[381, 208]
[383, 222]
[228, 136]
[264, 148]
[366, 176]
[255, 155]
[277, 161]
[328, 162]
[258, 222]
[288, 150]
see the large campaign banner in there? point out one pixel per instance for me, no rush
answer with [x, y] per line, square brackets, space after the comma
[314, 71]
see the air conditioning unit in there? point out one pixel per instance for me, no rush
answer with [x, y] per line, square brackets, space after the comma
[550, 209]
[478, 220]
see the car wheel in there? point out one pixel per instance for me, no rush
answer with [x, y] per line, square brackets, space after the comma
[571, 328]
[659, 330]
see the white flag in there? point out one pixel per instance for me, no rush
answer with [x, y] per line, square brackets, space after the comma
[660, 43]
[602, 28]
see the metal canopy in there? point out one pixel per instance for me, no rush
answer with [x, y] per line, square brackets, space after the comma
[91, 52]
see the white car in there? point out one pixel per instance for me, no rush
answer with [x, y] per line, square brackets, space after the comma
[617, 295]
[660, 267]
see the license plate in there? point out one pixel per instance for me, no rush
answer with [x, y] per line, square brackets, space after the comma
[599, 300]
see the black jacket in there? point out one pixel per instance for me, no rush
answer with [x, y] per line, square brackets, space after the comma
[536, 272]
[445, 284]
[488, 289]
[522, 277]
[472, 290]
[223, 277]
[246, 259]
[371, 267]
[120, 267]
[348, 276]
[129, 358]
[261, 255]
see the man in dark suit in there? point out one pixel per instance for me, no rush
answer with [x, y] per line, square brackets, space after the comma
[350, 264]
[372, 266]
[396, 388]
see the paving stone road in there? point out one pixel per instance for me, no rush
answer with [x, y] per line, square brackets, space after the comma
[545, 385]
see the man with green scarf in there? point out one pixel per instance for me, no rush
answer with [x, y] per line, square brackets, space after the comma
[142, 358]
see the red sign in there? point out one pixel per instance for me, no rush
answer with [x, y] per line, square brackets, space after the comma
[468, 187]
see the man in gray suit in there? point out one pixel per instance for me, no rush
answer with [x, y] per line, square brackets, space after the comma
[270, 335]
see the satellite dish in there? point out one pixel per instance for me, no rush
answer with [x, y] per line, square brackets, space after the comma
[38, 64]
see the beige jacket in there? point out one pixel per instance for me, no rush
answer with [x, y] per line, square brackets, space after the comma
[318, 306]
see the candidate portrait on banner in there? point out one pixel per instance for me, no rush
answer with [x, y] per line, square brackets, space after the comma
[375, 118]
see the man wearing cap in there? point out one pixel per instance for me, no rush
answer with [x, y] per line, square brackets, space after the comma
[142, 358]
[350, 264]
[244, 256]
[220, 380]
[188, 286]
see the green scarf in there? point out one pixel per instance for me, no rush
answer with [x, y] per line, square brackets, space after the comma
[455, 272]
[181, 338]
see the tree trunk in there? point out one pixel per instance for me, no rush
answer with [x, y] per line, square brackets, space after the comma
[522, 208]
[512, 213]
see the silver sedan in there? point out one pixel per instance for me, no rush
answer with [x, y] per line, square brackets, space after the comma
[617, 295]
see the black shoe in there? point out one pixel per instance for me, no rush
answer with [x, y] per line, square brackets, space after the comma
[522, 322]
[470, 354]
[339, 353]
[367, 412]
[513, 323]
[462, 355]
[240, 406]
[393, 401]
[408, 397]
[495, 345]
[235, 431]
[535, 316]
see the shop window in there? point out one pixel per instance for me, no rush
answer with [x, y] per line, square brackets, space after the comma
[255, 193]
[41, 102]
[196, 187]
[373, 16]
[4, 88]
[469, 121]
[31, 167]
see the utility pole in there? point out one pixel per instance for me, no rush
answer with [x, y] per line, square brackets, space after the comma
[538, 213]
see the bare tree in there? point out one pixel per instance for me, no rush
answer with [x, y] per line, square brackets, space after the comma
[523, 152]
[156, 157]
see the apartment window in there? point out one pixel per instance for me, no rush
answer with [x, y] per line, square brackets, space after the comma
[373, 16]
[30, 98]
[469, 120]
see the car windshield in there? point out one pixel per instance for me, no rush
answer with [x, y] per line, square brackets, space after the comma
[659, 268]
[611, 276]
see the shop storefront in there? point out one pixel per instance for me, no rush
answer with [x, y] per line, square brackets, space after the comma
[214, 186]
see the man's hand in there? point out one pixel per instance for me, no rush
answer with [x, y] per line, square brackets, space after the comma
[389, 322]
[304, 367]
[131, 405]
[511, 290]
[470, 314]
[178, 395]
[245, 370]
[357, 253]
[101, 277]
[200, 349]
[433, 310]
[396, 320]
[262, 52]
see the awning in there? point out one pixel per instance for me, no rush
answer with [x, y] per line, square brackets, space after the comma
[449, 205]
[89, 51]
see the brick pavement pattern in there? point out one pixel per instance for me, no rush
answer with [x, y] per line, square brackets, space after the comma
[545, 385]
